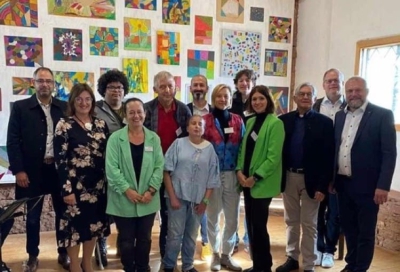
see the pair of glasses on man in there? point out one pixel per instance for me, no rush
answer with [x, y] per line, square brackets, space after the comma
[44, 81]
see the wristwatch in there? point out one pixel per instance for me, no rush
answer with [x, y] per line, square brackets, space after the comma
[206, 201]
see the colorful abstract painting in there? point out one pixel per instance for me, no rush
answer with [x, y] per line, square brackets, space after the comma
[103, 41]
[23, 86]
[67, 44]
[256, 14]
[19, 13]
[176, 12]
[141, 4]
[104, 9]
[231, 11]
[203, 29]
[5, 173]
[137, 73]
[178, 89]
[137, 34]
[280, 96]
[104, 70]
[168, 48]
[23, 51]
[200, 62]
[240, 50]
[64, 81]
[276, 62]
[280, 29]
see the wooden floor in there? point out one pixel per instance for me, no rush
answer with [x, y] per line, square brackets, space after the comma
[14, 253]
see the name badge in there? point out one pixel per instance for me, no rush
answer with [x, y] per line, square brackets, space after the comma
[148, 148]
[228, 130]
[254, 136]
[178, 132]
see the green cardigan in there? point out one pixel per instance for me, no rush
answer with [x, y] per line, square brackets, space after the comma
[121, 174]
[266, 161]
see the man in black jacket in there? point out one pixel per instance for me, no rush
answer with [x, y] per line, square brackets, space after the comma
[31, 155]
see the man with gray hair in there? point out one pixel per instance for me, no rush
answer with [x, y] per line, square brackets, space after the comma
[307, 161]
[168, 117]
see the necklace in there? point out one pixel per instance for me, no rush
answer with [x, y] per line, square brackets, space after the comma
[88, 126]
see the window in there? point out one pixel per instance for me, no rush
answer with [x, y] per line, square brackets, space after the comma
[378, 61]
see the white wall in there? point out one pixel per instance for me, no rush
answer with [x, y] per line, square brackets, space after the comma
[329, 31]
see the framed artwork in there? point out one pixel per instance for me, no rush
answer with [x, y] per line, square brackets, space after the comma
[203, 29]
[231, 11]
[5, 173]
[168, 48]
[200, 62]
[280, 29]
[276, 62]
[103, 41]
[256, 14]
[104, 9]
[137, 34]
[19, 13]
[136, 70]
[141, 4]
[23, 86]
[240, 50]
[280, 96]
[67, 44]
[64, 81]
[176, 12]
[23, 51]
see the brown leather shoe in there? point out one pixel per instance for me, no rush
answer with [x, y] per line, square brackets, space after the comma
[64, 260]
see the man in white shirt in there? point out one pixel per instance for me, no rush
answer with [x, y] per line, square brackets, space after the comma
[199, 90]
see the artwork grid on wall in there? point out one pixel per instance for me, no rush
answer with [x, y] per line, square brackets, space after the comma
[280, 29]
[280, 96]
[276, 62]
[104, 9]
[178, 89]
[240, 50]
[141, 4]
[23, 51]
[137, 34]
[19, 13]
[168, 48]
[231, 11]
[137, 73]
[103, 41]
[203, 29]
[23, 86]
[67, 44]
[176, 12]
[256, 14]
[200, 62]
[64, 81]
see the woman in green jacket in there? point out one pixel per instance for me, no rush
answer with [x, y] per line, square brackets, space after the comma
[259, 172]
[134, 168]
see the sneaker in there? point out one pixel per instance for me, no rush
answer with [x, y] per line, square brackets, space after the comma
[206, 253]
[327, 260]
[290, 265]
[318, 261]
[31, 264]
[229, 263]
[216, 262]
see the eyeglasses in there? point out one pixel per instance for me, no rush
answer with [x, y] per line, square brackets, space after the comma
[115, 88]
[86, 99]
[44, 81]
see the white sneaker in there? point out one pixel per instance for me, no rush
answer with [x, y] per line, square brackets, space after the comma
[318, 261]
[327, 260]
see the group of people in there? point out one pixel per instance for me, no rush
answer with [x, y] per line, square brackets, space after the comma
[111, 162]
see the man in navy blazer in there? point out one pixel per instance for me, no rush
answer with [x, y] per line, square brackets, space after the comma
[365, 159]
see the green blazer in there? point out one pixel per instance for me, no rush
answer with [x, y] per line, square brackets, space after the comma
[121, 174]
[266, 159]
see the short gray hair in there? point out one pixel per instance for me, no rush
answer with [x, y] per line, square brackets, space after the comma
[358, 78]
[161, 75]
[308, 84]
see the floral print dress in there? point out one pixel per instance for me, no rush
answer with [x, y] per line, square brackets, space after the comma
[80, 160]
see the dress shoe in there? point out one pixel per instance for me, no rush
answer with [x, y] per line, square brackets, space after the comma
[31, 264]
[290, 265]
[64, 260]
[102, 244]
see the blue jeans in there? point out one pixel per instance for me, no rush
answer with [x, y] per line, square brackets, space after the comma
[203, 229]
[328, 225]
[183, 227]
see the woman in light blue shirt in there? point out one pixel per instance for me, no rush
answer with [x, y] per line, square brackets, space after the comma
[191, 172]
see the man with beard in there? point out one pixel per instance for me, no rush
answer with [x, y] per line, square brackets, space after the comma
[200, 106]
[30, 151]
[365, 159]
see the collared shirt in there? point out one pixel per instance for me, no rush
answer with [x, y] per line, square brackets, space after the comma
[50, 131]
[201, 111]
[349, 132]
[167, 126]
[329, 109]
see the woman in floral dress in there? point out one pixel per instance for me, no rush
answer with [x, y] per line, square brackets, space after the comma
[79, 147]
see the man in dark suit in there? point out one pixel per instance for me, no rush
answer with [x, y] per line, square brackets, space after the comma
[307, 161]
[30, 152]
[365, 159]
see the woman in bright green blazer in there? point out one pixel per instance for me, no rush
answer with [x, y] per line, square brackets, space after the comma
[134, 168]
[259, 172]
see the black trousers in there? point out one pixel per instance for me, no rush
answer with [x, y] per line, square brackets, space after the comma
[257, 212]
[135, 241]
[164, 222]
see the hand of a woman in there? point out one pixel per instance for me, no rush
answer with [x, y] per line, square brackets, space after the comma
[146, 197]
[250, 182]
[175, 203]
[133, 196]
[241, 178]
[70, 199]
